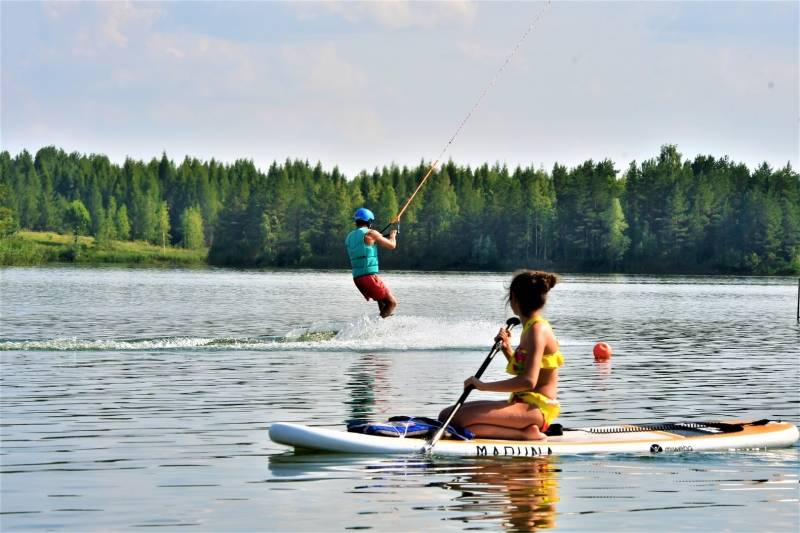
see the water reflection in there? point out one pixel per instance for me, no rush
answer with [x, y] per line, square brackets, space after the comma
[602, 370]
[602, 375]
[519, 494]
[507, 495]
[369, 387]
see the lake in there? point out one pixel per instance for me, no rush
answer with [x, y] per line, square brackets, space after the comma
[142, 397]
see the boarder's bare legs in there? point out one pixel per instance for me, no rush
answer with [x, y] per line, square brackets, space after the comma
[387, 305]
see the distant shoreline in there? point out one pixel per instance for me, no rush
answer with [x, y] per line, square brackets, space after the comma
[667, 214]
[33, 248]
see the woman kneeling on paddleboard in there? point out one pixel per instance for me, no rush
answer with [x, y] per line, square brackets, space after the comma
[532, 406]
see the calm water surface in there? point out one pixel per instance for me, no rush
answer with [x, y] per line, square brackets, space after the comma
[136, 397]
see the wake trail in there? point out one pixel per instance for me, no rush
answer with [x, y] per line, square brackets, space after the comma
[366, 333]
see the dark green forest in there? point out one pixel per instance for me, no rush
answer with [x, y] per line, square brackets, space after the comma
[665, 214]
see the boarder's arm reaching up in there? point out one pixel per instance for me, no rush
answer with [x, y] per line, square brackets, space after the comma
[373, 237]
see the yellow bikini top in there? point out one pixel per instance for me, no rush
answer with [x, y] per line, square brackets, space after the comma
[549, 360]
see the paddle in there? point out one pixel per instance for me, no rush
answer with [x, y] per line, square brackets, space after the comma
[510, 323]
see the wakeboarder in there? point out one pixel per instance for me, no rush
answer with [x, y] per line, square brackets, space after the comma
[361, 247]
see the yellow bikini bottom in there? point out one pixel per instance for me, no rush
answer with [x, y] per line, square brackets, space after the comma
[550, 408]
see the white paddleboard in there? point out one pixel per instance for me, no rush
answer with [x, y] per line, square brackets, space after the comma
[633, 438]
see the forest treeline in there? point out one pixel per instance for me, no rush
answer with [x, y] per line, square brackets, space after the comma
[665, 214]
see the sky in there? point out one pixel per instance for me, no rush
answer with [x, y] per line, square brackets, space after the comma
[360, 85]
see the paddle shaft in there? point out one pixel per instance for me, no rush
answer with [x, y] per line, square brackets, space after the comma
[466, 392]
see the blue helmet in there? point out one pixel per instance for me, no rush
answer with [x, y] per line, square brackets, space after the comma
[364, 214]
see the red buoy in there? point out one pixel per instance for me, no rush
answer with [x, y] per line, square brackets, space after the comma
[602, 352]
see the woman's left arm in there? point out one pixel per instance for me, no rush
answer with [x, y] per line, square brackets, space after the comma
[534, 346]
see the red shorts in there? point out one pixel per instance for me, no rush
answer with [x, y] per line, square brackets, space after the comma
[371, 286]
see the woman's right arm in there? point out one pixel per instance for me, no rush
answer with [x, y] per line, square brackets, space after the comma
[506, 348]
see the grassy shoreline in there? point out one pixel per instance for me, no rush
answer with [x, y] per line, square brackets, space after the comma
[31, 248]
[28, 248]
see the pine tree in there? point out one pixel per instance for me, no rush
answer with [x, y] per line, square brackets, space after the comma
[30, 198]
[107, 234]
[8, 225]
[675, 224]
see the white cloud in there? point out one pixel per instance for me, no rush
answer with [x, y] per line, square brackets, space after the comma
[174, 52]
[192, 65]
[55, 10]
[407, 14]
[322, 71]
[103, 25]
[119, 15]
[321, 119]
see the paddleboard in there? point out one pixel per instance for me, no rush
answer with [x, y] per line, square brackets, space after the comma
[648, 438]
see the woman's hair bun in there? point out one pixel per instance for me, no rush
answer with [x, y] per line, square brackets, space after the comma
[530, 287]
[545, 280]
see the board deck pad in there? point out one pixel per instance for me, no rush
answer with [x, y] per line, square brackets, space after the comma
[622, 438]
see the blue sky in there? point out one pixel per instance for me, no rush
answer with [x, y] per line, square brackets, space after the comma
[361, 84]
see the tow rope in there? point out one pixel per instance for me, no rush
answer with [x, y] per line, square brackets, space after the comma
[433, 166]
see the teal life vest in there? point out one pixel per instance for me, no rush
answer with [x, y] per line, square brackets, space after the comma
[363, 258]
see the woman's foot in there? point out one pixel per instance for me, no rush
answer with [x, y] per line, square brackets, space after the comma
[533, 432]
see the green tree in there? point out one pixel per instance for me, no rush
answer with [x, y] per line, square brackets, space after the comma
[438, 211]
[614, 242]
[675, 224]
[332, 219]
[30, 196]
[483, 252]
[107, 233]
[763, 224]
[123, 223]
[146, 217]
[162, 226]
[78, 219]
[584, 193]
[8, 225]
[192, 228]
[383, 201]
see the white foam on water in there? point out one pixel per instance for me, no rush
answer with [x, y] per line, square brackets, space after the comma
[416, 333]
[73, 344]
[366, 333]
